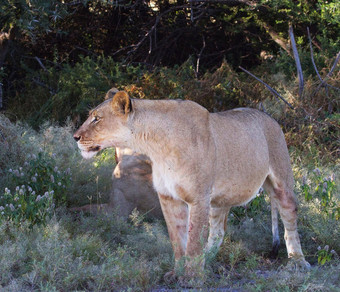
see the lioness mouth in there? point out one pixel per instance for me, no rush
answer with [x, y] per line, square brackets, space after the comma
[94, 148]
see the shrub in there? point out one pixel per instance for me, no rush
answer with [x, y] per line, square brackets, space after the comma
[24, 204]
[43, 174]
[255, 207]
[52, 151]
[325, 255]
[13, 144]
[39, 184]
[322, 190]
[319, 223]
[74, 89]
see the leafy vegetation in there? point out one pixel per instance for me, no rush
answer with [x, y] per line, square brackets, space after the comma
[323, 188]
[39, 186]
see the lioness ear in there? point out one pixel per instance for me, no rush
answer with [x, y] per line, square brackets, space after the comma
[111, 93]
[121, 103]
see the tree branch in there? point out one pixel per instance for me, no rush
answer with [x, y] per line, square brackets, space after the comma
[199, 58]
[40, 63]
[297, 61]
[334, 65]
[230, 2]
[311, 55]
[158, 18]
[52, 91]
[273, 91]
[328, 75]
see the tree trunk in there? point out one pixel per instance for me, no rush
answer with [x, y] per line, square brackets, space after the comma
[5, 41]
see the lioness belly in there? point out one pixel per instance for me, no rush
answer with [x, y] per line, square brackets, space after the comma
[237, 184]
[242, 158]
[235, 195]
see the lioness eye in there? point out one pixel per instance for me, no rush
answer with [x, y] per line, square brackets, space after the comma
[95, 120]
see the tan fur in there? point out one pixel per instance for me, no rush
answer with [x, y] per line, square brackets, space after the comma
[131, 187]
[203, 164]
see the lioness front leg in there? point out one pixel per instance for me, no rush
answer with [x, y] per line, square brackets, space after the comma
[176, 216]
[197, 237]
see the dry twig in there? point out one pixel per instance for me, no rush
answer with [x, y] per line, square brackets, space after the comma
[273, 91]
[199, 58]
[40, 63]
[297, 61]
[311, 55]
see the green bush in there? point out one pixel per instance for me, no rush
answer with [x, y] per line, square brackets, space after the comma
[325, 255]
[39, 186]
[21, 147]
[256, 207]
[43, 175]
[322, 190]
[24, 204]
[80, 87]
[74, 89]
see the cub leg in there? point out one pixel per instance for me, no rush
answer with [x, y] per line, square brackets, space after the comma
[218, 225]
[176, 217]
[118, 202]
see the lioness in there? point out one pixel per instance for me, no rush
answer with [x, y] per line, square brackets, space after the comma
[203, 164]
[131, 187]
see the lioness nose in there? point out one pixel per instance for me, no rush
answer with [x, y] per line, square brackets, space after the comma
[76, 137]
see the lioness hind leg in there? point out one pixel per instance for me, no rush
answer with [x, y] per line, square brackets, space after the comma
[275, 230]
[283, 198]
[286, 203]
[217, 226]
[275, 222]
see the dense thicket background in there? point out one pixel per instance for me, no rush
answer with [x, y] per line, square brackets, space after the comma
[57, 60]
[42, 41]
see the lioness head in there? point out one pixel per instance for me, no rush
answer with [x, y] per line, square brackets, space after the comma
[106, 125]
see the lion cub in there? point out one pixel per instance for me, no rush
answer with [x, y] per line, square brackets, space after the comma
[131, 187]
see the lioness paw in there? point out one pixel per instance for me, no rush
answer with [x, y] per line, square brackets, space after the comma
[170, 277]
[298, 264]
